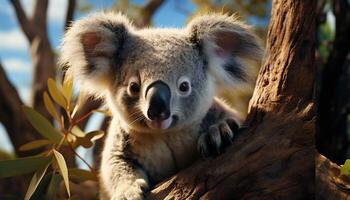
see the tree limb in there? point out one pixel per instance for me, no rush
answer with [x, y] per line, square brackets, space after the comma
[147, 12]
[40, 15]
[329, 183]
[271, 159]
[70, 13]
[25, 24]
[12, 117]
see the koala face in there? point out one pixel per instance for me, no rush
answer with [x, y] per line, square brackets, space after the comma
[164, 83]
[159, 79]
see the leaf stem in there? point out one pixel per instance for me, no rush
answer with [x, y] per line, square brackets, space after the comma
[93, 171]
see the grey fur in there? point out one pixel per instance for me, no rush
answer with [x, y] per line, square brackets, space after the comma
[104, 53]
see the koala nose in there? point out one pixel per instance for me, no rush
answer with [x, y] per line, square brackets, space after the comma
[158, 98]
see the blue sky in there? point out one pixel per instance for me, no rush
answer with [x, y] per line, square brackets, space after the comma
[14, 48]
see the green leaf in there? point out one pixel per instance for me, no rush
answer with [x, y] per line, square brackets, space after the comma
[42, 125]
[79, 102]
[34, 145]
[345, 169]
[53, 186]
[38, 175]
[21, 166]
[77, 131]
[105, 112]
[95, 135]
[62, 168]
[81, 175]
[50, 107]
[83, 141]
[87, 139]
[56, 93]
[67, 88]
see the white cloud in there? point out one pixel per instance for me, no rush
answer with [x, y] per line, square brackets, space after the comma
[16, 65]
[13, 39]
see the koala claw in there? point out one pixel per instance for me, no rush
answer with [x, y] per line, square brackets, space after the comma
[213, 141]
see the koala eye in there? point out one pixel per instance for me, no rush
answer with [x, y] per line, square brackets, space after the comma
[184, 86]
[134, 87]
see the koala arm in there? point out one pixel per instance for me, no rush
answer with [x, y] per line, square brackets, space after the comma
[121, 176]
[217, 129]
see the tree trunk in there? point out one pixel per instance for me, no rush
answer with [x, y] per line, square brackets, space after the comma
[273, 157]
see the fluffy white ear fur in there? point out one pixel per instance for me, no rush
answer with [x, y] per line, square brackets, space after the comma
[229, 47]
[89, 47]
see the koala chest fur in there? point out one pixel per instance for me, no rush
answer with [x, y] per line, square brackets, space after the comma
[160, 85]
[162, 155]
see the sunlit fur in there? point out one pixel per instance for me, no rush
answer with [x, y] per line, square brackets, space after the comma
[103, 52]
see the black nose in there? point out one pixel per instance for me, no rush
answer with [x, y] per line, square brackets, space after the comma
[158, 98]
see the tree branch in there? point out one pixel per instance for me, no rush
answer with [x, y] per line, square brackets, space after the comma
[329, 183]
[70, 13]
[12, 117]
[40, 15]
[25, 24]
[147, 12]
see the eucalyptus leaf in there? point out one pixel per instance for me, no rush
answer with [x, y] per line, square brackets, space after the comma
[38, 175]
[50, 107]
[77, 131]
[21, 166]
[56, 93]
[42, 125]
[345, 169]
[95, 135]
[62, 168]
[83, 141]
[67, 88]
[34, 145]
[105, 112]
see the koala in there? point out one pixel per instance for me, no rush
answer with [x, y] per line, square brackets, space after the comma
[161, 85]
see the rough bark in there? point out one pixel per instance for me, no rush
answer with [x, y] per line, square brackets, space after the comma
[329, 182]
[272, 158]
[334, 97]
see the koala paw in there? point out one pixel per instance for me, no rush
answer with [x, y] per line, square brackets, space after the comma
[213, 141]
[136, 191]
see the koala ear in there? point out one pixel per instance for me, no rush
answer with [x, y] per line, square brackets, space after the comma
[91, 48]
[229, 46]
